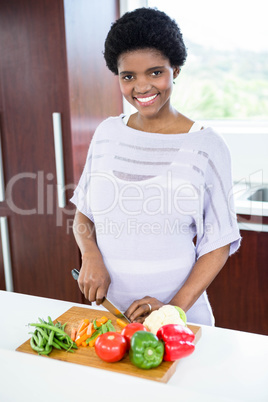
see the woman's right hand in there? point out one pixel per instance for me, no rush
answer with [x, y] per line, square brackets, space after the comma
[94, 279]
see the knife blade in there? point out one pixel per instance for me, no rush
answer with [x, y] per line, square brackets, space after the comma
[107, 303]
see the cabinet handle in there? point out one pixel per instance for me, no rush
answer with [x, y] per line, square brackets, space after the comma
[2, 181]
[59, 159]
[6, 254]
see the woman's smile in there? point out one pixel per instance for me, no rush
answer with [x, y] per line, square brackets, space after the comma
[146, 100]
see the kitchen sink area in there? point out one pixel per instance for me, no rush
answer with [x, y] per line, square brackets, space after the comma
[260, 195]
[252, 195]
[252, 201]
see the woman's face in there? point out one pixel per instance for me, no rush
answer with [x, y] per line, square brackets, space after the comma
[146, 80]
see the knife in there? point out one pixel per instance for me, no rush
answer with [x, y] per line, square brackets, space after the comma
[107, 303]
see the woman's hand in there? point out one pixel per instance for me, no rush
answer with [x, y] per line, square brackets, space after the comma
[140, 309]
[94, 279]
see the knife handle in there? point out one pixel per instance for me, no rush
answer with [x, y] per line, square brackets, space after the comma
[75, 274]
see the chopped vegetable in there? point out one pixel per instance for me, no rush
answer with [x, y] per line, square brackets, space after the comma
[90, 329]
[81, 339]
[91, 343]
[146, 350]
[178, 341]
[165, 315]
[121, 323]
[73, 334]
[110, 326]
[106, 327]
[101, 321]
[84, 331]
[82, 325]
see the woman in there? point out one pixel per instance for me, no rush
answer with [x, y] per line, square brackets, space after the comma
[155, 221]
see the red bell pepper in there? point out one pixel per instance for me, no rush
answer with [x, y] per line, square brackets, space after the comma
[178, 341]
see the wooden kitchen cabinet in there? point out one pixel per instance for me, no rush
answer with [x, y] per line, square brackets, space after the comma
[51, 61]
[238, 295]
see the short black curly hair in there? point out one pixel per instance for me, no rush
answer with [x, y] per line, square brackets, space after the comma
[144, 28]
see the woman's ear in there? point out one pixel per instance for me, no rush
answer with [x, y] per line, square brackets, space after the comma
[176, 72]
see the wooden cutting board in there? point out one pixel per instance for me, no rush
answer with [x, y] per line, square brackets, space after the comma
[88, 357]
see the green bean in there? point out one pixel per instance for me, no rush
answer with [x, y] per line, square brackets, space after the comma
[95, 324]
[96, 333]
[46, 351]
[48, 347]
[50, 339]
[43, 333]
[63, 326]
[35, 338]
[60, 336]
[50, 322]
[51, 327]
[48, 335]
[110, 326]
[61, 344]
[68, 348]
[56, 346]
[104, 328]
[34, 346]
[40, 339]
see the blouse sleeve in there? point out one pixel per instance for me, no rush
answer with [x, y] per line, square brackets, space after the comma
[81, 195]
[218, 226]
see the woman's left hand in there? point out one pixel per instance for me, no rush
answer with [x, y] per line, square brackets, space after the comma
[140, 309]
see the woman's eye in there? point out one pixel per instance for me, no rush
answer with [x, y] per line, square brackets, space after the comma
[156, 73]
[127, 77]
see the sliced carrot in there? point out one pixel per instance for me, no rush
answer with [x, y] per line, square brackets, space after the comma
[84, 343]
[82, 325]
[101, 321]
[121, 323]
[82, 332]
[90, 329]
[81, 339]
[92, 343]
[73, 334]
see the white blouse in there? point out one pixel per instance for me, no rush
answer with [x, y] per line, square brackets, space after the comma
[149, 195]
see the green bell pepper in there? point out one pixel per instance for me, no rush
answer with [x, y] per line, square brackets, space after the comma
[146, 351]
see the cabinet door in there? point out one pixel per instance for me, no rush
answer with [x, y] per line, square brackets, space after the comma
[34, 85]
[94, 90]
[238, 295]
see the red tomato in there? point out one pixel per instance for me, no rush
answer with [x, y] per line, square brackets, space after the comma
[111, 346]
[130, 329]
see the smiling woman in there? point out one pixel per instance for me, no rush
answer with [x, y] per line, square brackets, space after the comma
[158, 170]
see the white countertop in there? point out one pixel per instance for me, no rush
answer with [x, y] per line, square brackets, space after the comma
[227, 365]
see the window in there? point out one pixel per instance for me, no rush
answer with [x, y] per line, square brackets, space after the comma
[226, 72]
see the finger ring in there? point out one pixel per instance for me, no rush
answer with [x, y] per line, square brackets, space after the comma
[150, 307]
